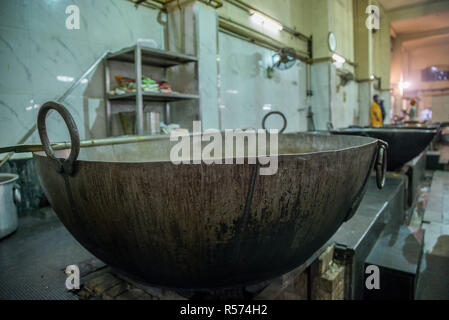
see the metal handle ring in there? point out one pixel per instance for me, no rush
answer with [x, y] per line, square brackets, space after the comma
[381, 165]
[275, 112]
[66, 165]
[16, 195]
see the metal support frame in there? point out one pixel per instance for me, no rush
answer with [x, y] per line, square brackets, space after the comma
[107, 77]
[139, 55]
[139, 97]
[167, 105]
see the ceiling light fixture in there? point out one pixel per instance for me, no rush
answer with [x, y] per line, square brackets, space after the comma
[404, 85]
[64, 78]
[266, 22]
[339, 61]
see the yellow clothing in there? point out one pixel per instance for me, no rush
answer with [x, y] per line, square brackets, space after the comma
[375, 115]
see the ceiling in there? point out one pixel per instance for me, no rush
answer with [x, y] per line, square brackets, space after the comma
[394, 4]
[430, 22]
[427, 42]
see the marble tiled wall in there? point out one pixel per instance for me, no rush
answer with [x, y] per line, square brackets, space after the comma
[332, 102]
[321, 87]
[36, 48]
[207, 67]
[247, 94]
[366, 93]
[199, 25]
[345, 110]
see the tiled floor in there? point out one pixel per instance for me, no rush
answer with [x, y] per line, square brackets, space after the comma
[444, 154]
[433, 282]
[31, 258]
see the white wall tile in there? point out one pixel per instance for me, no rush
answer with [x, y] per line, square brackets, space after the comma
[36, 48]
[245, 88]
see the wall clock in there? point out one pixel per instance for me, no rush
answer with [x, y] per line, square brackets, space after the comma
[332, 42]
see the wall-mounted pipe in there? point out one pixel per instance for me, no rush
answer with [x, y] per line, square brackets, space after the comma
[161, 4]
[254, 36]
[156, 5]
[240, 34]
[329, 82]
[212, 3]
[249, 9]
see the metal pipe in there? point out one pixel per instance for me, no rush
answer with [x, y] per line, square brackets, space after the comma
[107, 77]
[24, 148]
[139, 96]
[244, 6]
[59, 100]
[85, 74]
[329, 93]
[147, 3]
[238, 5]
[228, 24]
[217, 3]
[239, 33]
[182, 28]
[217, 47]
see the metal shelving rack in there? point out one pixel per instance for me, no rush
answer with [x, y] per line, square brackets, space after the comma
[141, 55]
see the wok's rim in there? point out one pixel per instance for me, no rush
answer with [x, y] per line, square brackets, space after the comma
[6, 178]
[366, 143]
[385, 129]
[374, 141]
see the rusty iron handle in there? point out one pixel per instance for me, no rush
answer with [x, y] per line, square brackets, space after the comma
[66, 165]
[381, 164]
[275, 112]
[16, 195]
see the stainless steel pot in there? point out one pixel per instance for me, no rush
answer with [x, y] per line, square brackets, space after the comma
[9, 197]
[153, 120]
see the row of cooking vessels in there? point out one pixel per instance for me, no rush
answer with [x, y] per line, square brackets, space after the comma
[209, 226]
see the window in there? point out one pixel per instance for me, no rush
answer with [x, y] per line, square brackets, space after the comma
[435, 73]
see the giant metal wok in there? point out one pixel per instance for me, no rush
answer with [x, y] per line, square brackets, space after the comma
[403, 143]
[200, 225]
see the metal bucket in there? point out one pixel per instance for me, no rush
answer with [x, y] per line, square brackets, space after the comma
[200, 225]
[9, 197]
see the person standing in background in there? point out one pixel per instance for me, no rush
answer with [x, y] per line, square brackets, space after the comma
[382, 108]
[413, 113]
[375, 113]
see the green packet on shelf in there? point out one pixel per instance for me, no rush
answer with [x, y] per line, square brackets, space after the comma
[148, 80]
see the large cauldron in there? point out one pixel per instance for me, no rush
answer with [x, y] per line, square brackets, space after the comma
[403, 143]
[434, 126]
[199, 225]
